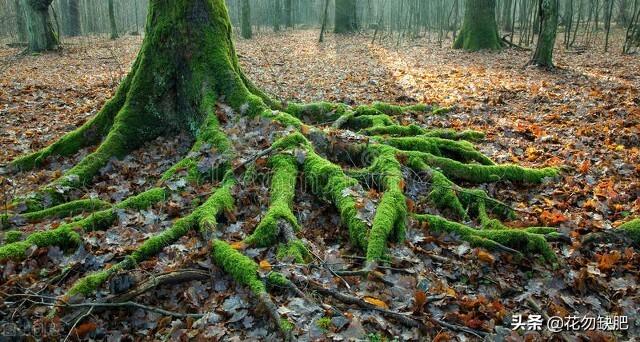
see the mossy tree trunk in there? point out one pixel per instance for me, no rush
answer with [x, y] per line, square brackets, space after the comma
[346, 19]
[277, 15]
[112, 21]
[40, 32]
[479, 29]
[185, 74]
[21, 26]
[548, 16]
[245, 27]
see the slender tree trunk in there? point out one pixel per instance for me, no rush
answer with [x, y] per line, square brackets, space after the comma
[479, 28]
[112, 21]
[346, 20]
[324, 21]
[41, 34]
[20, 21]
[277, 15]
[548, 16]
[506, 15]
[73, 18]
[608, 24]
[246, 29]
[288, 14]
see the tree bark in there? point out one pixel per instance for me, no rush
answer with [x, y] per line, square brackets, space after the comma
[246, 30]
[277, 15]
[548, 16]
[112, 21]
[506, 15]
[479, 28]
[346, 20]
[41, 34]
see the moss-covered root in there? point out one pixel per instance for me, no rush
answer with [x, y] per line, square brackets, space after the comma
[330, 182]
[522, 240]
[295, 250]
[66, 236]
[245, 271]
[391, 214]
[476, 173]
[415, 130]
[462, 151]
[632, 230]
[201, 218]
[280, 214]
[66, 210]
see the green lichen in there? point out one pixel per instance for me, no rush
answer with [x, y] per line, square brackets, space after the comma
[632, 230]
[283, 182]
[239, 267]
[518, 239]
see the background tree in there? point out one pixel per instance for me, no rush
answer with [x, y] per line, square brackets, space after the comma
[73, 18]
[41, 34]
[548, 13]
[20, 21]
[288, 13]
[277, 15]
[112, 21]
[246, 30]
[479, 28]
[346, 18]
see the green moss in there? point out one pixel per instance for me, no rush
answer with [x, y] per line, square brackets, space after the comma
[296, 250]
[521, 240]
[479, 29]
[63, 237]
[238, 266]
[391, 214]
[327, 180]
[216, 204]
[143, 200]
[366, 121]
[632, 230]
[12, 236]
[285, 325]
[480, 173]
[283, 182]
[90, 283]
[67, 209]
[276, 279]
[318, 112]
[462, 151]
[444, 196]
[324, 323]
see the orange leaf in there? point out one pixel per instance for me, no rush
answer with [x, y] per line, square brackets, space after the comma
[585, 166]
[486, 257]
[442, 337]
[83, 329]
[377, 302]
[552, 219]
[608, 260]
[265, 265]
[420, 298]
[238, 245]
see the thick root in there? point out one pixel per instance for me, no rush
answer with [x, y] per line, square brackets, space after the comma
[462, 151]
[521, 240]
[60, 211]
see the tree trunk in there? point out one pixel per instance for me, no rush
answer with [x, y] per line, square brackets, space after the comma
[73, 18]
[277, 15]
[325, 16]
[548, 16]
[246, 29]
[41, 34]
[346, 20]
[479, 29]
[112, 21]
[21, 26]
[506, 15]
[288, 14]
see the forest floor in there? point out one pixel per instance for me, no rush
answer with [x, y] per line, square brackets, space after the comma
[584, 117]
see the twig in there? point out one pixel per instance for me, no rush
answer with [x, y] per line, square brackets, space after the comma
[78, 321]
[324, 264]
[129, 304]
